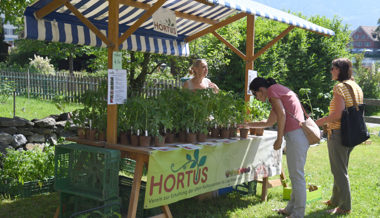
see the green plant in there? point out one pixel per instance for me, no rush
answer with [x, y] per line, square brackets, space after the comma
[258, 109]
[23, 166]
[42, 65]
[7, 87]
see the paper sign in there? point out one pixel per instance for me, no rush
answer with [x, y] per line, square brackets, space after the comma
[251, 75]
[117, 86]
[164, 21]
[117, 60]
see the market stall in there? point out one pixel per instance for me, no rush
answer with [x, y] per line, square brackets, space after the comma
[129, 24]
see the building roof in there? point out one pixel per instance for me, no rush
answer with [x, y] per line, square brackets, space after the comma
[369, 30]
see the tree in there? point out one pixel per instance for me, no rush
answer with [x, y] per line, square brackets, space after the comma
[378, 28]
[14, 10]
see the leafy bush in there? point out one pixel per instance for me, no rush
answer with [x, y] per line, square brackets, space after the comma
[42, 65]
[6, 89]
[23, 166]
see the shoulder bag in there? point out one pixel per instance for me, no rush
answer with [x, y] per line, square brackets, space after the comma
[353, 128]
[309, 127]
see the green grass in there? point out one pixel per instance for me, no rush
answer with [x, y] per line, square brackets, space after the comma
[33, 108]
[364, 175]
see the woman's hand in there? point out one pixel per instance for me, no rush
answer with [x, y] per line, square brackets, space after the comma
[277, 144]
[214, 87]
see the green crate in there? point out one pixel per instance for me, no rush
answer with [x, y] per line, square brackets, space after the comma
[27, 189]
[125, 192]
[78, 206]
[87, 171]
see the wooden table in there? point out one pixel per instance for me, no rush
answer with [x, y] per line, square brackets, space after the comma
[141, 156]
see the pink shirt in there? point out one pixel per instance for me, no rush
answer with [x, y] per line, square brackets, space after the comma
[291, 104]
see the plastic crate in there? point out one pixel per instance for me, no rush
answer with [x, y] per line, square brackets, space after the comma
[125, 192]
[87, 171]
[27, 189]
[77, 206]
[247, 188]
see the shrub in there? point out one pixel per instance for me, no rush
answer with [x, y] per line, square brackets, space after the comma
[23, 166]
[42, 65]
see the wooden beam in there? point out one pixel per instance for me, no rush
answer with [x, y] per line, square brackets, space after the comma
[250, 45]
[216, 26]
[141, 20]
[135, 190]
[113, 36]
[271, 43]
[229, 45]
[50, 7]
[177, 13]
[88, 23]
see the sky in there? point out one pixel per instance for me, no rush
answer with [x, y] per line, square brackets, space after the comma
[355, 13]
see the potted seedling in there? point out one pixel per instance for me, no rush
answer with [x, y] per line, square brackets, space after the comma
[259, 111]
[79, 119]
[243, 116]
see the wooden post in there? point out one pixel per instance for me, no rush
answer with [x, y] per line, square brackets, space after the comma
[250, 45]
[113, 36]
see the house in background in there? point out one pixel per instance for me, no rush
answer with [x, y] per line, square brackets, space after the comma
[364, 39]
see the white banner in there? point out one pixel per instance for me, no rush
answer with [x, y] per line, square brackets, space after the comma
[251, 75]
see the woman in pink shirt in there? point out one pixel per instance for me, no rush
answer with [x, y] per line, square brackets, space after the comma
[286, 110]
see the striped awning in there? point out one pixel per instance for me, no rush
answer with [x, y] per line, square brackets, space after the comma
[61, 25]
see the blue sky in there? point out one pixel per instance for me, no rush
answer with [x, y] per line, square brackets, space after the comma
[353, 12]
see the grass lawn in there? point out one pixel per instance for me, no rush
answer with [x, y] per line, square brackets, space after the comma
[364, 175]
[33, 108]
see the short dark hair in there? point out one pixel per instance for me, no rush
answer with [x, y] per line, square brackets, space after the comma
[345, 68]
[261, 82]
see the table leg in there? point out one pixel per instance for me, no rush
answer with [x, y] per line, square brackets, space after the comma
[134, 198]
[264, 192]
[166, 211]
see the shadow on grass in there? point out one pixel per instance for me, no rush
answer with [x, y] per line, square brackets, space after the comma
[38, 206]
[220, 206]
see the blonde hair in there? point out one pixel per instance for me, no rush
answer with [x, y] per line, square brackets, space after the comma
[196, 64]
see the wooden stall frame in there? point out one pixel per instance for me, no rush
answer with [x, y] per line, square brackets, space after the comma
[113, 41]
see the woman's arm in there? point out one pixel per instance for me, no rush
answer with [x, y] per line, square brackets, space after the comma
[337, 114]
[264, 123]
[279, 109]
[214, 87]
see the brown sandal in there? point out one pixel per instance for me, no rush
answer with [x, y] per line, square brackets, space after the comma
[281, 211]
[338, 211]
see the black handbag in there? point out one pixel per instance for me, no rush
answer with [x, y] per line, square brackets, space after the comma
[353, 128]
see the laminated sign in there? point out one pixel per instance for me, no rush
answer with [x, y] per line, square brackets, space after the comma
[164, 21]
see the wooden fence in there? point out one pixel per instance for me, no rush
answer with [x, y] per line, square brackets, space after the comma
[70, 86]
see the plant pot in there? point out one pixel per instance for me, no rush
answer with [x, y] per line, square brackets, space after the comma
[225, 133]
[182, 136]
[233, 132]
[252, 131]
[244, 133]
[144, 141]
[101, 136]
[134, 140]
[191, 137]
[259, 131]
[169, 138]
[81, 133]
[215, 132]
[201, 137]
[124, 138]
[159, 141]
[90, 134]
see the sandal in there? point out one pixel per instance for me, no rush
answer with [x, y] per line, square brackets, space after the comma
[338, 211]
[281, 211]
